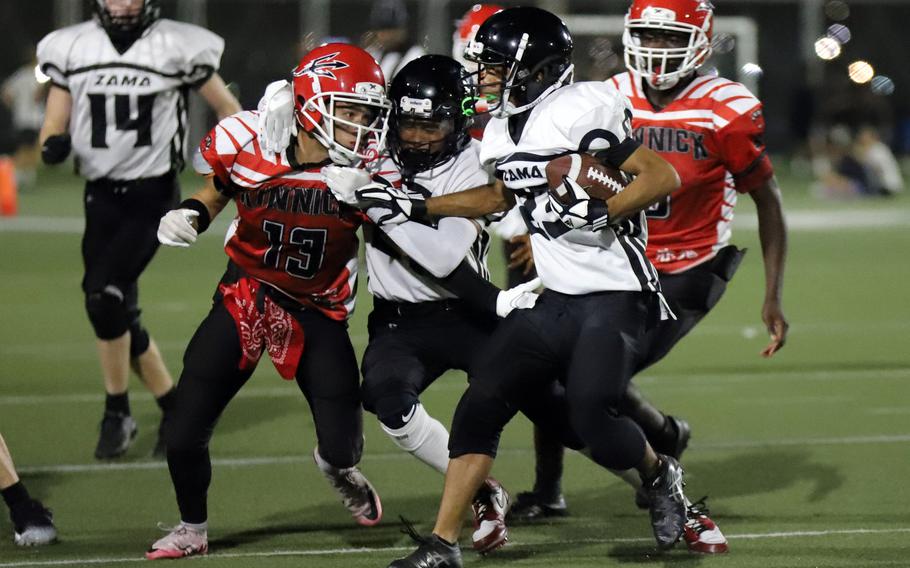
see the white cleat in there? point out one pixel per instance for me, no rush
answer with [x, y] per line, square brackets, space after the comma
[355, 489]
[179, 542]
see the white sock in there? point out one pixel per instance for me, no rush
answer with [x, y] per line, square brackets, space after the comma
[424, 437]
[198, 527]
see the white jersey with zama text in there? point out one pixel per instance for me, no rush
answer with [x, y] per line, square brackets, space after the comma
[129, 115]
[590, 117]
[399, 278]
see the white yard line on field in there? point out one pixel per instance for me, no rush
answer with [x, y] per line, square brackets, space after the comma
[396, 549]
[899, 373]
[387, 456]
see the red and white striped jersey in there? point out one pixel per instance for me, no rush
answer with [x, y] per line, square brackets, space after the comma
[712, 133]
[290, 231]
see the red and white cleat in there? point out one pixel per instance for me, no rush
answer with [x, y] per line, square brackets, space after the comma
[179, 542]
[490, 506]
[701, 534]
[356, 491]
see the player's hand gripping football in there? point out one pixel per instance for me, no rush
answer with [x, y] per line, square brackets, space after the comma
[579, 211]
[521, 297]
[344, 182]
[276, 117]
[402, 206]
[773, 316]
[177, 229]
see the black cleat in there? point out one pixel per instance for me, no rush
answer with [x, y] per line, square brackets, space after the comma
[33, 524]
[432, 552]
[530, 507]
[668, 503]
[673, 448]
[117, 433]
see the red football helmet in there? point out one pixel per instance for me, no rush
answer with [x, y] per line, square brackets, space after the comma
[663, 67]
[466, 28]
[341, 73]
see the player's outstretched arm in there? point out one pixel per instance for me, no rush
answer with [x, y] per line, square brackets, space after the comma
[54, 136]
[654, 179]
[475, 202]
[772, 232]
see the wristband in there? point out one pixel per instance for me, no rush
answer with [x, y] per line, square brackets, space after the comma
[204, 219]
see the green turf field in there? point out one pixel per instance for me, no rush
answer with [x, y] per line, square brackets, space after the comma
[805, 457]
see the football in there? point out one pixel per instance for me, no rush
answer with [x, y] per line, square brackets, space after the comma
[598, 180]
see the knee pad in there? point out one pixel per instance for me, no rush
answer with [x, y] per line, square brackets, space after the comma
[478, 422]
[107, 312]
[389, 390]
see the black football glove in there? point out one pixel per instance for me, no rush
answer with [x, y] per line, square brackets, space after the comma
[402, 206]
[579, 211]
[56, 148]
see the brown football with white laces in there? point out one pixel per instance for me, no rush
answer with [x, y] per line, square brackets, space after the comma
[598, 180]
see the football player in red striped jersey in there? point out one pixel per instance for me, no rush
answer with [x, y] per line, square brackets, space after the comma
[290, 283]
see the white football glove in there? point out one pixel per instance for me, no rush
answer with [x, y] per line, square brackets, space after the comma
[521, 297]
[276, 117]
[344, 182]
[402, 206]
[581, 212]
[175, 228]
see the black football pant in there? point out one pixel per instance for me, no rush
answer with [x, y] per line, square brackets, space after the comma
[691, 295]
[327, 377]
[411, 345]
[120, 239]
[592, 344]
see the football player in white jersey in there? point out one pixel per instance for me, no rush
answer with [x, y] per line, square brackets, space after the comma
[433, 307]
[602, 294]
[118, 101]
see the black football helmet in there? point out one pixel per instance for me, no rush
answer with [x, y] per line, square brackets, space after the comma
[126, 30]
[431, 88]
[534, 50]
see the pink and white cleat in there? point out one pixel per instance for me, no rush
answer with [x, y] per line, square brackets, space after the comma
[356, 491]
[701, 534]
[179, 542]
[490, 506]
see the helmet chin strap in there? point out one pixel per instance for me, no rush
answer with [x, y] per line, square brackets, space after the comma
[508, 109]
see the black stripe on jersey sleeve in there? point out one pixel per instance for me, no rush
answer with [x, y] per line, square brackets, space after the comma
[118, 65]
[206, 73]
[616, 155]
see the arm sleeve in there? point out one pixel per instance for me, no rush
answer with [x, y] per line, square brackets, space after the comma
[471, 288]
[742, 147]
[438, 250]
[53, 53]
[203, 50]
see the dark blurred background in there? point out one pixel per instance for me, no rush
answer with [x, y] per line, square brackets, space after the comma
[771, 45]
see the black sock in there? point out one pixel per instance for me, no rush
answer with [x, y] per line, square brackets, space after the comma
[119, 403]
[167, 400]
[548, 466]
[15, 494]
[443, 541]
